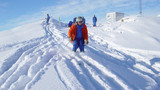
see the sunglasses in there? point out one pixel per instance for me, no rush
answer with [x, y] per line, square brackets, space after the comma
[79, 21]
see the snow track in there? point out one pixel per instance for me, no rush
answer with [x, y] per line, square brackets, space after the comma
[101, 67]
[26, 62]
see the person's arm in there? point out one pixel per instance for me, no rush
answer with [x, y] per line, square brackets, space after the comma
[70, 33]
[86, 40]
[86, 35]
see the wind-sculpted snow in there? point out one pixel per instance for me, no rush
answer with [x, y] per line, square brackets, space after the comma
[47, 62]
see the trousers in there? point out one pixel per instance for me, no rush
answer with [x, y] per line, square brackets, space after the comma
[94, 23]
[78, 43]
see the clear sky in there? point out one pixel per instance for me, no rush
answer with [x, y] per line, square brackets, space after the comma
[18, 12]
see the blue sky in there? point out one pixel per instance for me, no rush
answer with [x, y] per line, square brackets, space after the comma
[19, 12]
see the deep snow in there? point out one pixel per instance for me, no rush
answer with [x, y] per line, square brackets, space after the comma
[121, 55]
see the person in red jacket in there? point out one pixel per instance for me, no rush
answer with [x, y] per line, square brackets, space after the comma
[78, 35]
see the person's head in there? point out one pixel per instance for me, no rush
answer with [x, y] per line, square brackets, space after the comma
[79, 20]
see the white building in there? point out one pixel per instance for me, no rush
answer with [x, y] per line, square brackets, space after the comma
[114, 16]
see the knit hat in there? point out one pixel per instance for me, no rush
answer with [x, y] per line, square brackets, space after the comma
[79, 19]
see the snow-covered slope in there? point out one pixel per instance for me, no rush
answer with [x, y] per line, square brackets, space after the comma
[122, 55]
[136, 33]
[21, 33]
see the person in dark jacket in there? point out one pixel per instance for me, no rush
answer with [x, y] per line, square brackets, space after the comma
[70, 23]
[74, 20]
[83, 20]
[47, 19]
[78, 35]
[94, 20]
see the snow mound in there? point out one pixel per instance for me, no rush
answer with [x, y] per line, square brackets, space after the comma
[21, 33]
[129, 19]
[143, 33]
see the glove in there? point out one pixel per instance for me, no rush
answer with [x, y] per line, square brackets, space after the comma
[70, 39]
[86, 42]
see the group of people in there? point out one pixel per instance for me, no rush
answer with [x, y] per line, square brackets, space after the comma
[78, 33]
[74, 21]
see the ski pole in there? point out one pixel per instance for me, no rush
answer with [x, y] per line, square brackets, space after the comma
[67, 44]
[63, 47]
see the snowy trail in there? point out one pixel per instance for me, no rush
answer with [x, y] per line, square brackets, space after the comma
[26, 62]
[125, 60]
[126, 64]
[93, 68]
[91, 71]
[101, 67]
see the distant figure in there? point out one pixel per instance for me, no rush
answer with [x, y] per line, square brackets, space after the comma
[83, 20]
[47, 19]
[94, 21]
[74, 20]
[70, 23]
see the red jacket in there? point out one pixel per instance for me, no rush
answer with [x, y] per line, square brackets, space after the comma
[73, 30]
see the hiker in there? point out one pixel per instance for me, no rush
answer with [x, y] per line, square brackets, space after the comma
[70, 24]
[94, 20]
[47, 19]
[74, 20]
[78, 35]
[83, 20]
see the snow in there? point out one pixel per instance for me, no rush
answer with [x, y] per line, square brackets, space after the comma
[121, 55]
[21, 33]
[54, 82]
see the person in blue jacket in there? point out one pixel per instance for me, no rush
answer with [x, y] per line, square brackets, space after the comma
[70, 23]
[83, 20]
[94, 20]
[74, 20]
[47, 19]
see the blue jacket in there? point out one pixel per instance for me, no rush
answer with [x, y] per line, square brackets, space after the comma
[79, 31]
[48, 17]
[94, 19]
[70, 23]
[74, 20]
